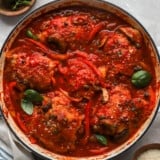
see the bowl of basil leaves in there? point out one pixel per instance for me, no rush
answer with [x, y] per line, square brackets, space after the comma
[15, 7]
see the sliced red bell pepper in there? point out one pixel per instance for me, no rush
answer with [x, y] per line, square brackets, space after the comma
[99, 150]
[21, 124]
[50, 53]
[87, 121]
[96, 71]
[95, 30]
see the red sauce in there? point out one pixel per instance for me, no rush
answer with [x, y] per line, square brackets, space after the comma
[81, 62]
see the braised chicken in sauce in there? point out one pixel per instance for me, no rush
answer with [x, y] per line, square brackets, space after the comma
[79, 82]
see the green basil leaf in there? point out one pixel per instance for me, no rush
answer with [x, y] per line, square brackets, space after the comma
[141, 79]
[31, 35]
[101, 139]
[27, 106]
[33, 96]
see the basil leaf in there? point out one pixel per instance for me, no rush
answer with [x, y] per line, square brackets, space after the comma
[101, 139]
[33, 96]
[141, 79]
[31, 35]
[27, 106]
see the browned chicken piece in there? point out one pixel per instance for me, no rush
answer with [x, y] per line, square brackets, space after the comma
[63, 122]
[113, 118]
[118, 44]
[119, 48]
[31, 69]
[63, 32]
[81, 72]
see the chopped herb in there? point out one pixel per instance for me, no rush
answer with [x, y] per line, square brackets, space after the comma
[27, 106]
[30, 97]
[31, 35]
[101, 139]
[16, 4]
[33, 96]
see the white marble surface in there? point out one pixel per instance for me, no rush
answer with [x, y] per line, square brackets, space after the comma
[148, 13]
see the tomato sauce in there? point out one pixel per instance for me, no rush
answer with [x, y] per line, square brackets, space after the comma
[69, 83]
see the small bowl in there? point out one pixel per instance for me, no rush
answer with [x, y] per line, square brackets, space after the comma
[21, 10]
[144, 149]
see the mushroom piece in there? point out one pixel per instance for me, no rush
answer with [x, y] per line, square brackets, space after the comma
[57, 42]
[108, 127]
[105, 95]
[122, 132]
[132, 34]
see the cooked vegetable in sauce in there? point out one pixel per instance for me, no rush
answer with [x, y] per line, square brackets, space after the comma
[79, 81]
